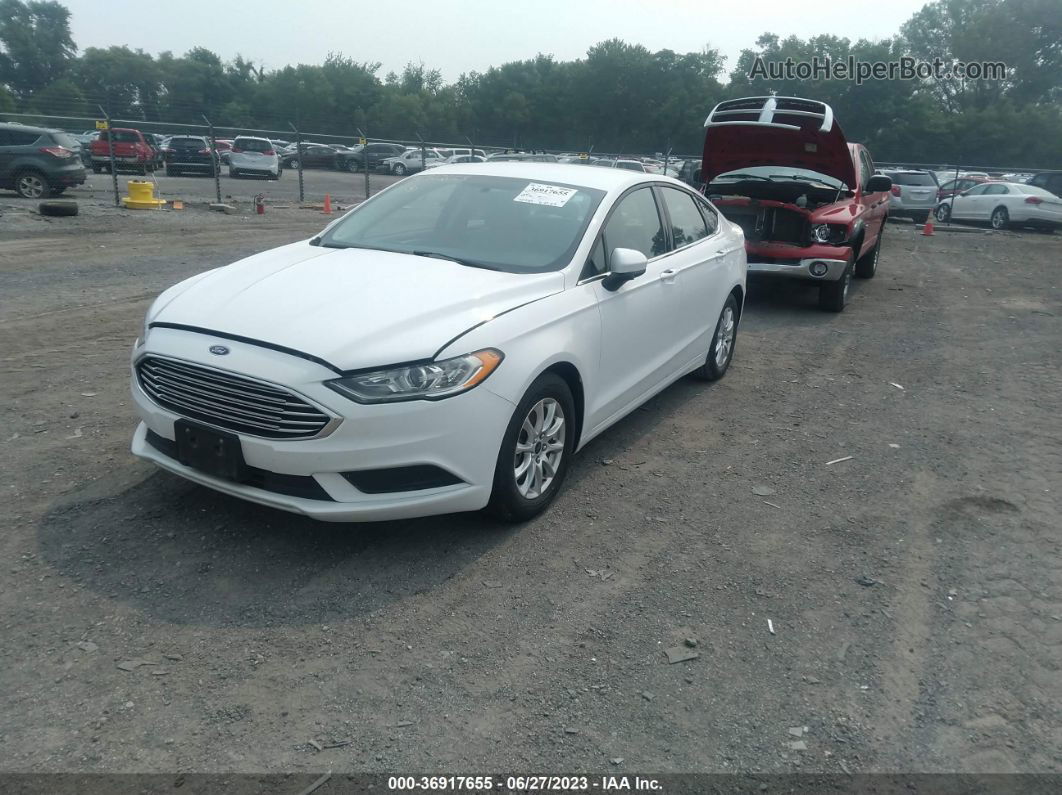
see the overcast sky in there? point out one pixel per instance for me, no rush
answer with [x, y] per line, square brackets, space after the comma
[465, 35]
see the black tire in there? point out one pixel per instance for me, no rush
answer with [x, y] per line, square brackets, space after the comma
[1000, 218]
[920, 218]
[32, 185]
[293, 163]
[943, 213]
[833, 296]
[867, 265]
[60, 208]
[717, 362]
[507, 501]
[398, 170]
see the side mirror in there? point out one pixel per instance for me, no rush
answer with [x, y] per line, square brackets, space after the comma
[626, 264]
[878, 183]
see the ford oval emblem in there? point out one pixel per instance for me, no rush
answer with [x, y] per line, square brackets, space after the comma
[219, 350]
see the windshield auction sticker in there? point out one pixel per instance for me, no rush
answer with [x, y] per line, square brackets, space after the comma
[550, 195]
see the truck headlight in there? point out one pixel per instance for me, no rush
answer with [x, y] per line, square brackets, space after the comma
[820, 233]
[422, 381]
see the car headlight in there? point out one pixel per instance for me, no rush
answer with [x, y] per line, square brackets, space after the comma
[820, 233]
[143, 332]
[423, 381]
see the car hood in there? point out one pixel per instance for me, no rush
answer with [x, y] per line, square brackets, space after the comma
[742, 143]
[354, 308]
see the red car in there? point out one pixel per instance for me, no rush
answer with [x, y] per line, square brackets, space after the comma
[960, 185]
[809, 201]
[132, 150]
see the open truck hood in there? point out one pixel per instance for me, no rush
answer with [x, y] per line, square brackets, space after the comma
[775, 131]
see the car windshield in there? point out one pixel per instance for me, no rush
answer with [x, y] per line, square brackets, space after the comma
[779, 174]
[500, 223]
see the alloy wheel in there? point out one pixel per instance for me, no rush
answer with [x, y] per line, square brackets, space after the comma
[539, 448]
[31, 186]
[725, 341]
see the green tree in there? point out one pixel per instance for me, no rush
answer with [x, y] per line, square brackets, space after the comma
[35, 44]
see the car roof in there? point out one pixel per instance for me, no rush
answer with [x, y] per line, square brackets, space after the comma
[606, 179]
[27, 128]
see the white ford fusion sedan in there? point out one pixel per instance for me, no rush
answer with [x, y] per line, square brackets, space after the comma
[446, 346]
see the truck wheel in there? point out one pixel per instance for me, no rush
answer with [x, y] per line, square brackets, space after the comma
[32, 185]
[63, 207]
[867, 265]
[833, 296]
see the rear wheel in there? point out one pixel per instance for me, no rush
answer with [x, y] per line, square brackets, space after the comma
[1000, 218]
[867, 265]
[721, 351]
[535, 451]
[32, 185]
[943, 213]
[293, 164]
[833, 296]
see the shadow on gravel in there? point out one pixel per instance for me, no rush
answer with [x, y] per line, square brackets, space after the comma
[185, 554]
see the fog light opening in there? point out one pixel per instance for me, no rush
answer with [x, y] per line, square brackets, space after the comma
[818, 269]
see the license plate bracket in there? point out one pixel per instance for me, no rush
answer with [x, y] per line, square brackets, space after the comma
[209, 450]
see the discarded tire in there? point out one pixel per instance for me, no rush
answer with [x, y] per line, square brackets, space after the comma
[59, 208]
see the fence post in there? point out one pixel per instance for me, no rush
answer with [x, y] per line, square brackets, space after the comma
[365, 158]
[667, 157]
[423, 153]
[110, 150]
[214, 160]
[298, 160]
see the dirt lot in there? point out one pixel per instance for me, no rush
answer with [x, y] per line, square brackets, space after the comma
[915, 590]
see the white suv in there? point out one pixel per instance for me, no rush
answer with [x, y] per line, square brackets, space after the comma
[255, 156]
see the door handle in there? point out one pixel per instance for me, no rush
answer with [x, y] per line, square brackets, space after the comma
[668, 276]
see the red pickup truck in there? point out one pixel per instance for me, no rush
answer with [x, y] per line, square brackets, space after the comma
[809, 202]
[131, 151]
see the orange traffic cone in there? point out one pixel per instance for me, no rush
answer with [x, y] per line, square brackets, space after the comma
[927, 227]
[328, 205]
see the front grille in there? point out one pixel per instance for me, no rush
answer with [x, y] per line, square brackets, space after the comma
[228, 400]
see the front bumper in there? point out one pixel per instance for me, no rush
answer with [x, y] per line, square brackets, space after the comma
[800, 268]
[460, 435]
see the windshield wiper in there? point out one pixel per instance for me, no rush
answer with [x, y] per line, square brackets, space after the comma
[741, 176]
[466, 262]
[803, 178]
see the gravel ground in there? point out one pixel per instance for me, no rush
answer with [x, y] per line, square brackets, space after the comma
[914, 589]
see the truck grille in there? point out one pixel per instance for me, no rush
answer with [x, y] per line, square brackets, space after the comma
[227, 400]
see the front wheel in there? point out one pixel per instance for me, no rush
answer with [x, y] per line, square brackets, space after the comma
[1000, 218]
[833, 296]
[721, 351]
[943, 213]
[399, 170]
[535, 452]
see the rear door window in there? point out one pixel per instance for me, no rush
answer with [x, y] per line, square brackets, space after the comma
[11, 137]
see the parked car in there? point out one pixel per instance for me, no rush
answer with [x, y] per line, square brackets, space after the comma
[809, 201]
[591, 291]
[913, 194]
[132, 151]
[85, 140]
[311, 156]
[521, 157]
[38, 162]
[254, 156]
[190, 153]
[410, 162]
[374, 153]
[223, 146]
[1048, 180]
[958, 185]
[158, 146]
[454, 160]
[1004, 204]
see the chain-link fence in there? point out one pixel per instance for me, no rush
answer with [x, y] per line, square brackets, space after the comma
[294, 165]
